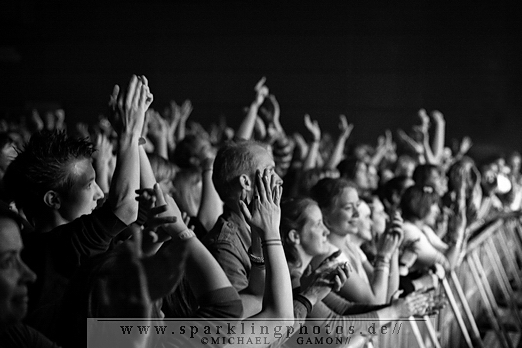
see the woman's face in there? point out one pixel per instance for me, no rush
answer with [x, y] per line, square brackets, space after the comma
[431, 218]
[313, 234]
[343, 216]
[365, 222]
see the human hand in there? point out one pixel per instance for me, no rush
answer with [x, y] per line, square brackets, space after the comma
[414, 303]
[104, 149]
[331, 274]
[60, 119]
[425, 121]
[313, 127]
[185, 110]
[261, 92]
[129, 107]
[465, 145]
[438, 117]
[157, 127]
[414, 145]
[345, 127]
[264, 214]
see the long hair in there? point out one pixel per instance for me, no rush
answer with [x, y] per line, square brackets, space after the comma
[293, 218]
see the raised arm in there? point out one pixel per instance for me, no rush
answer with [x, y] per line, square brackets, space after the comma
[211, 206]
[264, 218]
[130, 109]
[101, 159]
[203, 272]
[247, 126]
[313, 151]
[337, 154]
[440, 133]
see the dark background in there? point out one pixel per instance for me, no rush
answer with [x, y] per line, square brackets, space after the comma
[378, 63]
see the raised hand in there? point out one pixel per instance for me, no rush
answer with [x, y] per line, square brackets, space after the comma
[345, 127]
[425, 121]
[264, 214]
[313, 127]
[437, 116]
[186, 110]
[465, 145]
[261, 91]
[414, 145]
[131, 105]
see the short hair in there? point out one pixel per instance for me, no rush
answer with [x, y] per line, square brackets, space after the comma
[348, 167]
[233, 160]
[396, 185]
[162, 168]
[293, 218]
[326, 191]
[417, 201]
[423, 172]
[42, 165]
[184, 151]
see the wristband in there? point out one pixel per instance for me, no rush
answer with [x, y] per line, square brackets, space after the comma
[268, 242]
[186, 234]
[256, 260]
[306, 302]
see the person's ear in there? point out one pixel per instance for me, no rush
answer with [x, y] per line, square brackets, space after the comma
[194, 161]
[246, 183]
[294, 237]
[52, 199]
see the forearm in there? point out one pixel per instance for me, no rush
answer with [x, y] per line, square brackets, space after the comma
[311, 156]
[277, 298]
[203, 272]
[211, 206]
[438, 141]
[161, 147]
[102, 175]
[337, 153]
[180, 130]
[126, 179]
[428, 153]
[393, 280]
[247, 126]
[147, 179]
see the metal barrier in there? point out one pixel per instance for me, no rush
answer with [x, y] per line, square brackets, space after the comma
[482, 295]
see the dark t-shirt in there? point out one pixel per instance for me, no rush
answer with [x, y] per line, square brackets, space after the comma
[23, 336]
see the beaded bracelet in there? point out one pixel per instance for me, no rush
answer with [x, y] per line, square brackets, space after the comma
[256, 260]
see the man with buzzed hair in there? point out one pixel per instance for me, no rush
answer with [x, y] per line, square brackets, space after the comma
[53, 181]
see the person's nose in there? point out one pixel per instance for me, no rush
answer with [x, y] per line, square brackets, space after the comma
[99, 192]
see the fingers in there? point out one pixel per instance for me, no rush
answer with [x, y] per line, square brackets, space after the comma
[160, 197]
[131, 92]
[260, 84]
[244, 210]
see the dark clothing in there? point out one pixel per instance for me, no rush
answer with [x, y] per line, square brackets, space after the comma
[229, 241]
[23, 336]
[55, 255]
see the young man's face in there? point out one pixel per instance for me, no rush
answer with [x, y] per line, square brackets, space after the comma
[14, 274]
[83, 196]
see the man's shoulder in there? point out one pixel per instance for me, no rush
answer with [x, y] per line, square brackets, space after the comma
[223, 232]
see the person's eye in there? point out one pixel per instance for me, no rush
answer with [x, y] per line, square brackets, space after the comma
[8, 263]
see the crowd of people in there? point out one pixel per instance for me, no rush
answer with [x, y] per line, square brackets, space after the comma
[147, 214]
